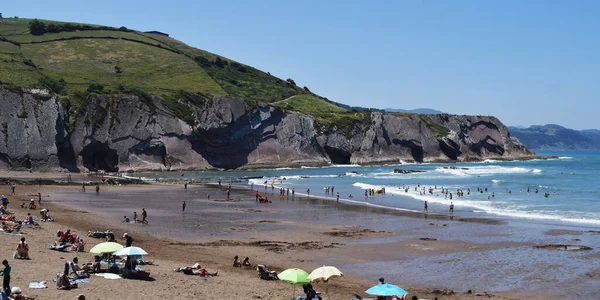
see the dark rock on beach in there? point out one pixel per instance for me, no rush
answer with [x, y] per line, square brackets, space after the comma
[407, 171]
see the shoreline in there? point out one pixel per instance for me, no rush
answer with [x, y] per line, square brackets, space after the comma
[296, 165]
[217, 250]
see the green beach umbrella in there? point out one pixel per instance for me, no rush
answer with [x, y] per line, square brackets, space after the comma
[294, 276]
[106, 247]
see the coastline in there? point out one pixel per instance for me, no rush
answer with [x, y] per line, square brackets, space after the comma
[279, 244]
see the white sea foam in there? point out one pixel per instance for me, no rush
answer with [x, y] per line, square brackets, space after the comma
[497, 181]
[344, 166]
[495, 207]
[537, 171]
[565, 157]
[482, 171]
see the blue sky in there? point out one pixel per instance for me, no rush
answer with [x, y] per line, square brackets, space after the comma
[526, 62]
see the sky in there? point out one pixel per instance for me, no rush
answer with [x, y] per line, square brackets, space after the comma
[525, 62]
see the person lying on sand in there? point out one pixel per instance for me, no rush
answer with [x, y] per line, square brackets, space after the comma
[11, 227]
[200, 272]
[63, 283]
[196, 269]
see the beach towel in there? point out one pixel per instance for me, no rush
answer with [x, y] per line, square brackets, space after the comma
[58, 248]
[109, 275]
[37, 285]
[82, 280]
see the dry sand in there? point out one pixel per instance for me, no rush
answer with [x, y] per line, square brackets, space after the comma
[279, 249]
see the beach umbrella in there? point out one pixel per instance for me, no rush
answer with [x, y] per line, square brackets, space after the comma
[386, 290]
[294, 276]
[130, 251]
[324, 273]
[106, 247]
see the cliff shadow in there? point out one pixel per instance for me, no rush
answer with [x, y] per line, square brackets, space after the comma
[416, 151]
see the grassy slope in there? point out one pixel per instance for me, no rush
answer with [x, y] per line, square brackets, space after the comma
[152, 63]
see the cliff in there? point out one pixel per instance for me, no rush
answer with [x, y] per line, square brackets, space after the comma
[132, 132]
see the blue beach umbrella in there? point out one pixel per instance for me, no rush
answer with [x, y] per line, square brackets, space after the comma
[386, 290]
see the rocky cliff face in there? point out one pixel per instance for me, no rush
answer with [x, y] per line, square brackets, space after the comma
[131, 133]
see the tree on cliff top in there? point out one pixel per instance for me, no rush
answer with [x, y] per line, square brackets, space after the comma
[37, 27]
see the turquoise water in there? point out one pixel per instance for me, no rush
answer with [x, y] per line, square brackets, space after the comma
[571, 181]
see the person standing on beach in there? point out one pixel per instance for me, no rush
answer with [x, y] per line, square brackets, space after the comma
[293, 192]
[425, 206]
[183, 206]
[128, 239]
[83, 187]
[6, 274]
[185, 186]
[338, 197]
[40, 199]
[144, 215]
[308, 191]
[97, 189]
[5, 202]
[451, 208]
[12, 189]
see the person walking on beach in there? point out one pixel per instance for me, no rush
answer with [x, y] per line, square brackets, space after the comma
[425, 206]
[6, 274]
[40, 199]
[5, 202]
[338, 197]
[308, 191]
[83, 187]
[451, 208]
[144, 216]
[183, 206]
[97, 189]
[12, 189]
[185, 186]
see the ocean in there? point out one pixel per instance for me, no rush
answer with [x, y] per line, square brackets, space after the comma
[567, 187]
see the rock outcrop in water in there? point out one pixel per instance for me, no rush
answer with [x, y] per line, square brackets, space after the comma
[126, 132]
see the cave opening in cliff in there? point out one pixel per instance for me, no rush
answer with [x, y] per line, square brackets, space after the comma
[98, 156]
[338, 156]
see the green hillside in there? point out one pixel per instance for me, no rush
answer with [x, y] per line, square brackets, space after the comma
[75, 59]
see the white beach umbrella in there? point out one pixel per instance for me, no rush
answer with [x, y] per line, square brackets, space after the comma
[130, 251]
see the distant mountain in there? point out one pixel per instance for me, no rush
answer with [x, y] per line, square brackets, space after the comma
[422, 111]
[556, 137]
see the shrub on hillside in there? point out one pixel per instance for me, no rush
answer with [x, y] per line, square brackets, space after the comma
[95, 88]
[37, 27]
[57, 86]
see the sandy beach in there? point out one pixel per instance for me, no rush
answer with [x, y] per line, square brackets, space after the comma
[303, 233]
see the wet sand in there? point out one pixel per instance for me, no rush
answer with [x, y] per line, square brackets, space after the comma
[420, 254]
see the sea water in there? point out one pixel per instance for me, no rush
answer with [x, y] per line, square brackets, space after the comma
[567, 186]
